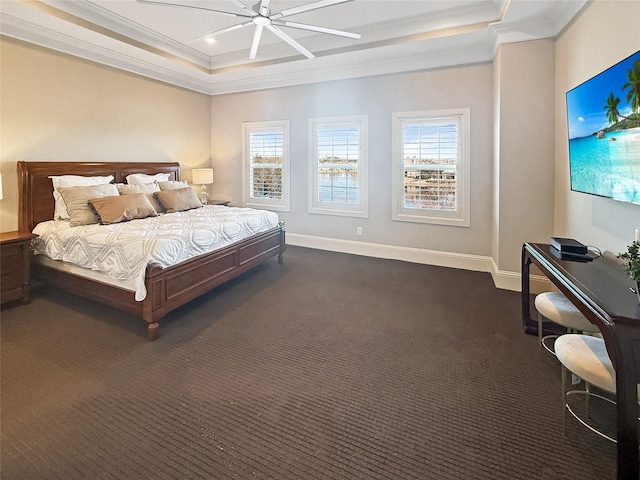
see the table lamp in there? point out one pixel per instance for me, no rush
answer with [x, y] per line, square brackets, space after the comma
[202, 177]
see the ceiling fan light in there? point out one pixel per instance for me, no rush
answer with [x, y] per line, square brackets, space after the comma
[260, 20]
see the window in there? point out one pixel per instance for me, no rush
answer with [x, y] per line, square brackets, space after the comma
[431, 167]
[265, 154]
[338, 166]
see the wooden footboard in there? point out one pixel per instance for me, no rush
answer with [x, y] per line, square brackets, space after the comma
[172, 287]
[167, 288]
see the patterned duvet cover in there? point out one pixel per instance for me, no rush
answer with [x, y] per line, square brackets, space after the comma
[124, 250]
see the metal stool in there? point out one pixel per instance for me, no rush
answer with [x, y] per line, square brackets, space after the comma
[586, 357]
[558, 309]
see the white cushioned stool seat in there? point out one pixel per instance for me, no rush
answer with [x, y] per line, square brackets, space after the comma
[587, 357]
[557, 308]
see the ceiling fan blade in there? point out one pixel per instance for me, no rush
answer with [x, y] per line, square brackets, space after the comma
[256, 42]
[307, 7]
[290, 41]
[242, 6]
[313, 28]
[223, 30]
[265, 8]
[168, 4]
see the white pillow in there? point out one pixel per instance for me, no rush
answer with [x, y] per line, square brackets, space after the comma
[142, 178]
[60, 212]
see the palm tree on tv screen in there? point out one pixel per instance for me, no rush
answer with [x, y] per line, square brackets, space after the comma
[633, 99]
[633, 95]
[612, 108]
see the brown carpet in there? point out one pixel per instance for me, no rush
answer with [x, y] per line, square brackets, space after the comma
[330, 366]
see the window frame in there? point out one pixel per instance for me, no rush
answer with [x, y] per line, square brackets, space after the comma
[283, 204]
[461, 216]
[361, 209]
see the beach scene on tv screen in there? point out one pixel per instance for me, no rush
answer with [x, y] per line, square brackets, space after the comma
[603, 117]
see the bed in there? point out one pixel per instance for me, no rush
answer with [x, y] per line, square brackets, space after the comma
[166, 288]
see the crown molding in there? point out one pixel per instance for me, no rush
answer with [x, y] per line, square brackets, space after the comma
[115, 23]
[125, 45]
[358, 64]
[19, 29]
[513, 27]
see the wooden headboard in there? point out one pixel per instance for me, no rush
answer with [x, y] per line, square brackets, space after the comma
[35, 189]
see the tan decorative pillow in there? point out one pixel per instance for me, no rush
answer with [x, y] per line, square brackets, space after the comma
[147, 188]
[77, 201]
[172, 185]
[60, 212]
[178, 200]
[122, 208]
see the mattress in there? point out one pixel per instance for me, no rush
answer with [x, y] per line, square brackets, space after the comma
[87, 273]
[123, 251]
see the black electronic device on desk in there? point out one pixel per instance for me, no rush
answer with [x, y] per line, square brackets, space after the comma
[570, 249]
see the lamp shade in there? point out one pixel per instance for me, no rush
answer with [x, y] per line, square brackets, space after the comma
[202, 176]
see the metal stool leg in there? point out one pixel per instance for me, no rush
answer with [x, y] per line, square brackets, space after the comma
[542, 340]
[540, 333]
[563, 381]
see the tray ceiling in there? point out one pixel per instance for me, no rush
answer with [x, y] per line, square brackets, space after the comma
[168, 43]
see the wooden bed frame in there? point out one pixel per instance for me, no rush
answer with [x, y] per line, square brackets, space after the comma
[167, 288]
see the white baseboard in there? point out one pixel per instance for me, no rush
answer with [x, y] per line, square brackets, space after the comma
[507, 280]
[502, 279]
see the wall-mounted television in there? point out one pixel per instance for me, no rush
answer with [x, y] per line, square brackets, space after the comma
[603, 116]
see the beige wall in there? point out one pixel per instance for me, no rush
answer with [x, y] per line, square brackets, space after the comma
[377, 97]
[604, 33]
[57, 107]
[523, 149]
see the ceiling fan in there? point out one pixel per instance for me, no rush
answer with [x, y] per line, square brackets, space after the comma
[260, 16]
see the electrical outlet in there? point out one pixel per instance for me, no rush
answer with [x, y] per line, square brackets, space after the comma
[359, 231]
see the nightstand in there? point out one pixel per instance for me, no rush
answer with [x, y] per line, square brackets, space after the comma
[15, 265]
[219, 202]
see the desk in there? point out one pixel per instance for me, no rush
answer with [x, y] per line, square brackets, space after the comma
[601, 292]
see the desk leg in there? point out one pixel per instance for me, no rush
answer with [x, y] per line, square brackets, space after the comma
[627, 421]
[530, 325]
[525, 295]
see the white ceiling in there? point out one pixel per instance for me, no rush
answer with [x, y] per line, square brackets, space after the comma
[167, 42]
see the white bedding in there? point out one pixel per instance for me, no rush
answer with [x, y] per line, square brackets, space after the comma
[123, 250]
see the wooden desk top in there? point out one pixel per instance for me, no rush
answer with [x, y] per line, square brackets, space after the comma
[605, 285]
